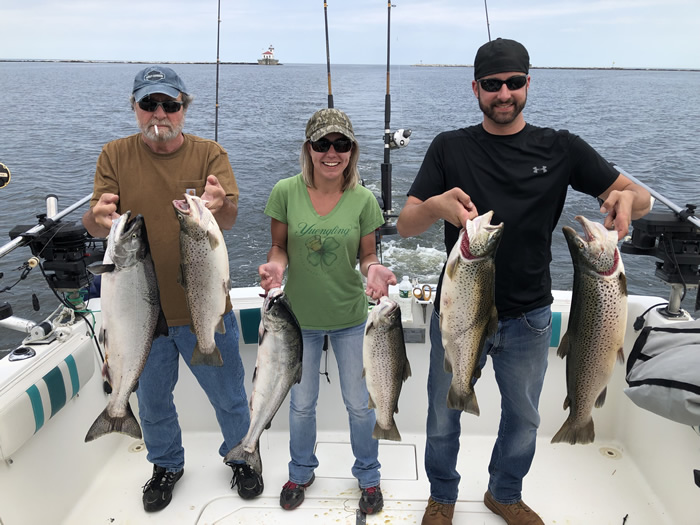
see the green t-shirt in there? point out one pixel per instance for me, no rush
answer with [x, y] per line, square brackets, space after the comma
[323, 286]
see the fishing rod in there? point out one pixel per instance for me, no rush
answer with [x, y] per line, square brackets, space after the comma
[216, 111]
[488, 26]
[394, 140]
[328, 56]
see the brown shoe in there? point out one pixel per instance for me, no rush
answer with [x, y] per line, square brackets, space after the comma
[514, 514]
[438, 513]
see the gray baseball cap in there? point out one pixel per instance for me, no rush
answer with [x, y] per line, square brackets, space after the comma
[326, 121]
[158, 79]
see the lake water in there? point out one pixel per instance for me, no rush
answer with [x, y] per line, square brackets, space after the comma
[57, 116]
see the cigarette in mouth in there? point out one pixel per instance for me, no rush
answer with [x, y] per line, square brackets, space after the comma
[156, 128]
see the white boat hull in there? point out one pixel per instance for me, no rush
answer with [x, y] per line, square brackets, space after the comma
[640, 466]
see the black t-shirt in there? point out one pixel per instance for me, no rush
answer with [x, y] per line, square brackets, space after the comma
[523, 178]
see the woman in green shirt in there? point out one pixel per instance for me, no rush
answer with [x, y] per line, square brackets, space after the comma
[320, 220]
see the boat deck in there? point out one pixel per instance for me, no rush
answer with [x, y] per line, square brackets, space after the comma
[615, 491]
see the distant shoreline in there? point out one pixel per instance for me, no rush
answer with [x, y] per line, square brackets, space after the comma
[591, 68]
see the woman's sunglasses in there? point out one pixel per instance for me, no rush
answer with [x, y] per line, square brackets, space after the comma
[169, 106]
[493, 85]
[341, 145]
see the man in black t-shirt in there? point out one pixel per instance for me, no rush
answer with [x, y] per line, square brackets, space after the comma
[522, 173]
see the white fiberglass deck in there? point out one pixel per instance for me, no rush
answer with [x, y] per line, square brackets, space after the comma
[583, 485]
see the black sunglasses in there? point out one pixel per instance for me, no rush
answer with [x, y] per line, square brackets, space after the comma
[169, 106]
[493, 85]
[341, 145]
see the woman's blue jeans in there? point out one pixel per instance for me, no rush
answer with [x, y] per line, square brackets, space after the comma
[518, 351]
[347, 348]
[223, 386]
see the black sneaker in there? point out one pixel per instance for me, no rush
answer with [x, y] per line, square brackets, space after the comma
[250, 483]
[292, 495]
[371, 500]
[158, 491]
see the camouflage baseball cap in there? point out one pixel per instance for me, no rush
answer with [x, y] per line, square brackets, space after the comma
[326, 121]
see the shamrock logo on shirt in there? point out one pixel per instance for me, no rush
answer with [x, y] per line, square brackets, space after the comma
[321, 251]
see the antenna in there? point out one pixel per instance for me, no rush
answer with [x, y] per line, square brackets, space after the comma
[216, 111]
[328, 56]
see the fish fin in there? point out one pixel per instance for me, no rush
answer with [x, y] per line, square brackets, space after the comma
[567, 402]
[261, 333]
[99, 268]
[466, 402]
[213, 240]
[406, 370]
[220, 327]
[161, 325]
[601, 398]
[451, 267]
[371, 403]
[297, 374]
[391, 433]
[181, 276]
[364, 371]
[238, 454]
[623, 284]
[210, 359]
[448, 366]
[105, 424]
[563, 349]
[620, 355]
[492, 326]
[568, 433]
[369, 327]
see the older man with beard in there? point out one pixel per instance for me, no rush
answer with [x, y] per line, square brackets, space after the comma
[521, 172]
[144, 173]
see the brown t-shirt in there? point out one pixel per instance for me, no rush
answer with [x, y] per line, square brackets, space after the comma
[147, 183]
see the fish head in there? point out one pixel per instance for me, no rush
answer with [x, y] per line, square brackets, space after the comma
[479, 238]
[127, 243]
[597, 249]
[192, 214]
[386, 312]
[277, 311]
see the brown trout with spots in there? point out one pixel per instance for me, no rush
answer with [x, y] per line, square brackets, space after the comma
[596, 330]
[467, 307]
[204, 274]
[385, 365]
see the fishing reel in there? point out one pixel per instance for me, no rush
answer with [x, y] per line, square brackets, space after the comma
[400, 138]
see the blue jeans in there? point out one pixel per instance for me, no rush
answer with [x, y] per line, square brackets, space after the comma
[518, 351]
[223, 386]
[347, 347]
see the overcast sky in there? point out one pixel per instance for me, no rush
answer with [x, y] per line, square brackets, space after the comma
[577, 33]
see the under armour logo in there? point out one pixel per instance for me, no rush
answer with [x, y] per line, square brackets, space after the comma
[543, 169]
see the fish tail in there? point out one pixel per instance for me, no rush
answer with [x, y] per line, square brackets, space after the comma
[575, 434]
[106, 424]
[211, 359]
[391, 433]
[238, 454]
[465, 402]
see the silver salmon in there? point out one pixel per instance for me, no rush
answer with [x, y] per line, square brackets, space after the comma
[596, 330]
[131, 318]
[467, 307]
[385, 365]
[278, 367]
[204, 274]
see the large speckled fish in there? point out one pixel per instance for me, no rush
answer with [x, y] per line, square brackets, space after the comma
[131, 318]
[204, 274]
[596, 330]
[467, 307]
[278, 367]
[385, 365]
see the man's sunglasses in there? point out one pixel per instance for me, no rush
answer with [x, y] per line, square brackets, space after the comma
[169, 106]
[342, 145]
[493, 85]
